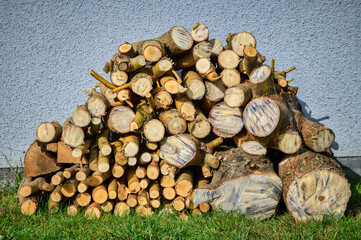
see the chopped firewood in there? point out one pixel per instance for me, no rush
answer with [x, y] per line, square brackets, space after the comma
[48, 132]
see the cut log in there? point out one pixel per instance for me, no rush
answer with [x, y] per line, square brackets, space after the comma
[238, 95]
[129, 64]
[69, 188]
[70, 171]
[228, 59]
[121, 208]
[200, 127]
[173, 121]
[118, 170]
[73, 136]
[103, 143]
[313, 186]
[249, 61]
[93, 211]
[154, 130]
[118, 77]
[94, 129]
[97, 104]
[131, 145]
[141, 84]
[242, 182]
[52, 147]
[145, 158]
[83, 199]
[107, 92]
[186, 108]
[144, 211]
[226, 122]
[107, 206]
[142, 115]
[162, 66]
[184, 182]
[176, 40]
[119, 119]
[238, 41]
[126, 50]
[132, 200]
[38, 161]
[154, 190]
[83, 173]
[171, 85]
[152, 50]
[53, 207]
[81, 150]
[56, 195]
[73, 210]
[217, 48]
[206, 69]
[194, 83]
[144, 183]
[230, 77]
[190, 57]
[199, 33]
[65, 155]
[141, 172]
[103, 163]
[93, 158]
[119, 154]
[133, 181]
[97, 178]
[153, 170]
[179, 204]
[181, 151]
[262, 80]
[214, 90]
[162, 98]
[169, 193]
[28, 205]
[143, 198]
[132, 161]
[211, 160]
[100, 194]
[167, 181]
[48, 132]
[155, 203]
[122, 190]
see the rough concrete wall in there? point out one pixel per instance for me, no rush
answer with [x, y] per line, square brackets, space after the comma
[48, 47]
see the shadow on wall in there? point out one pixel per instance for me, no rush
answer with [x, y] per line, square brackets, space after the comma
[307, 112]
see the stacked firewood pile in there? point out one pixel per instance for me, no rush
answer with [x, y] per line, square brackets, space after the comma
[185, 123]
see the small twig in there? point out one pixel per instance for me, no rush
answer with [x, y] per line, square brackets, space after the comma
[102, 80]
[290, 80]
[273, 65]
[117, 89]
[179, 80]
[87, 92]
[289, 70]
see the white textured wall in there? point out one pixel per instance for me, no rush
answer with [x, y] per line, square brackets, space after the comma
[48, 47]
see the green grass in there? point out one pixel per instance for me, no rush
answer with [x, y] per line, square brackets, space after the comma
[215, 225]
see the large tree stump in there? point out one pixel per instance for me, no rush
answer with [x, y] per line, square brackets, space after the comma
[243, 182]
[313, 186]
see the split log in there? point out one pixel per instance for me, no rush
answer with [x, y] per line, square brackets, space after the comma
[181, 151]
[184, 182]
[154, 130]
[162, 66]
[176, 40]
[238, 95]
[228, 59]
[70, 171]
[173, 121]
[230, 77]
[118, 77]
[56, 195]
[226, 121]
[194, 83]
[119, 119]
[83, 199]
[152, 50]
[73, 135]
[93, 211]
[100, 194]
[48, 132]
[186, 108]
[38, 161]
[200, 127]
[73, 210]
[83, 173]
[238, 41]
[69, 188]
[206, 69]
[190, 57]
[65, 155]
[199, 33]
[52, 147]
[242, 182]
[171, 85]
[313, 186]
[121, 208]
[162, 98]
[97, 104]
[131, 145]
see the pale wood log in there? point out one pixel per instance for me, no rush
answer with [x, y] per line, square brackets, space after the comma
[141, 172]
[178, 203]
[153, 170]
[52, 147]
[238, 41]
[262, 81]
[200, 127]
[65, 155]
[186, 108]
[126, 50]
[162, 98]
[152, 50]
[119, 119]
[226, 121]
[73, 136]
[206, 69]
[154, 130]
[83, 199]
[249, 146]
[142, 115]
[162, 66]
[155, 203]
[131, 145]
[169, 193]
[82, 174]
[103, 163]
[73, 210]
[238, 95]
[199, 32]
[107, 92]
[93, 211]
[132, 200]
[167, 181]
[97, 104]
[144, 183]
[112, 189]
[133, 181]
[145, 158]
[57, 178]
[204, 206]
[56, 195]
[176, 40]
[97, 178]
[132, 161]
[142, 83]
[143, 198]
[228, 59]
[100, 194]
[194, 84]
[217, 47]
[28, 205]
[48, 132]
[53, 207]
[93, 158]
[214, 91]
[69, 188]
[243, 182]
[122, 190]
[38, 161]
[119, 154]
[36, 185]
[121, 208]
[230, 77]
[118, 77]
[184, 182]
[173, 121]
[107, 206]
[118, 170]
[83, 149]
[144, 211]
[154, 190]
[94, 129]
[171, 85]
[190, 57]
[70, 171]
[83, 186]
[313, 186]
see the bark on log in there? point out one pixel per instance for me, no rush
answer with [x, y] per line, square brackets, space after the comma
[238, 95]
[162, 66]
[238, 41]
[243, 182]
[48, 132]
[81, 150]
[103, 163]
[28, 205]
[53, 207]
[119, 119]
[173, 121]
[190, 57]
[107, 206]
[142, 115]
[107, 92]
[69, 188]
[71, 171]
[56, 195]
[126, 50]
[83, 173]
[313, 186]
[131, 145]
[152, 50]
[206, 69]
[122, 190]
[262, 80]
[38, 161]
[226, 122]
[194, 83]
[133, 181]
[176, 40]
